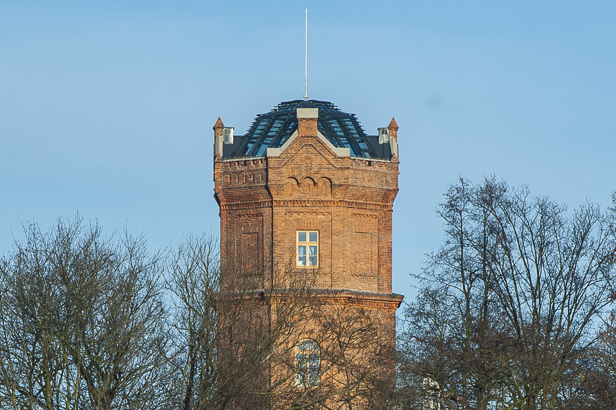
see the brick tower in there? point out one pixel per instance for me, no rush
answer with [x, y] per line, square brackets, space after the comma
[307, 193]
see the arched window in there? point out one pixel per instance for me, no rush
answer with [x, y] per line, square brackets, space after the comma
[307, 363]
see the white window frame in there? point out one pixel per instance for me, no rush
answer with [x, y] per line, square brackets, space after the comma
[307, 363]
[307, 249]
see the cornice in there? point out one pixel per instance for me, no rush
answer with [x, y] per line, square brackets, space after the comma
[306, 203]
[359, 298]
[329, 296]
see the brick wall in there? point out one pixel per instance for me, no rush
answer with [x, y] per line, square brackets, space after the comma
[265, 201]
[309, 186]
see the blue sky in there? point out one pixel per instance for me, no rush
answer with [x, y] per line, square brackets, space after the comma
[107, 108]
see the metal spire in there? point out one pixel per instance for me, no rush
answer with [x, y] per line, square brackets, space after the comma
[306, 60]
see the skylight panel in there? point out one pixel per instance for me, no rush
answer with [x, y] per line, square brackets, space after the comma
[273, 129]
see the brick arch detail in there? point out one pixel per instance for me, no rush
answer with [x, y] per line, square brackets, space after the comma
[324, 186]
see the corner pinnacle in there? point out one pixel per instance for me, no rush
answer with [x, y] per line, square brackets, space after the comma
[219, 125]
[393, 125]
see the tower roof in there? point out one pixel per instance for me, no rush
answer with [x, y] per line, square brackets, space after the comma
[273, 129]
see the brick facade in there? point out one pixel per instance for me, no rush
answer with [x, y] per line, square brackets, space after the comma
[307, 184]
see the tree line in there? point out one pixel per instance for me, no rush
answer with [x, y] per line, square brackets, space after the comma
[513, 311]
[88, 322]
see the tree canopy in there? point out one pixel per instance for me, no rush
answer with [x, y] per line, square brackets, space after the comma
[514, 311]
[511, 308]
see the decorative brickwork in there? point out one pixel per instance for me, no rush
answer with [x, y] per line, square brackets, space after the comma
[307, 184]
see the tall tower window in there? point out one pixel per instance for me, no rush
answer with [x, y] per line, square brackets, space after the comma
[307, 248]
[307, 363]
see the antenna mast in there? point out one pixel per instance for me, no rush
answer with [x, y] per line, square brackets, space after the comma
[306, 60]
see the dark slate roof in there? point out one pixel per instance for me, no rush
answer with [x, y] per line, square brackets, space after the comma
[273, 129]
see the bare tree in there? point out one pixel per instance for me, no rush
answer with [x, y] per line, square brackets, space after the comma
[340, 359]
[520, 283]
[83, 322]
[194, 282]
[84, 325]
[237, 341]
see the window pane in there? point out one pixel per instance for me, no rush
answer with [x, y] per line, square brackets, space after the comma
[301, 369]
[301, 250]
[308, 345]
[301, 261]
[313, 256]
[302, 236]
[313, 236]
[313, 375]
[262, 149]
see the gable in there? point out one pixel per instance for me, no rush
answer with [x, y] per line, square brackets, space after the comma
[340, 152]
